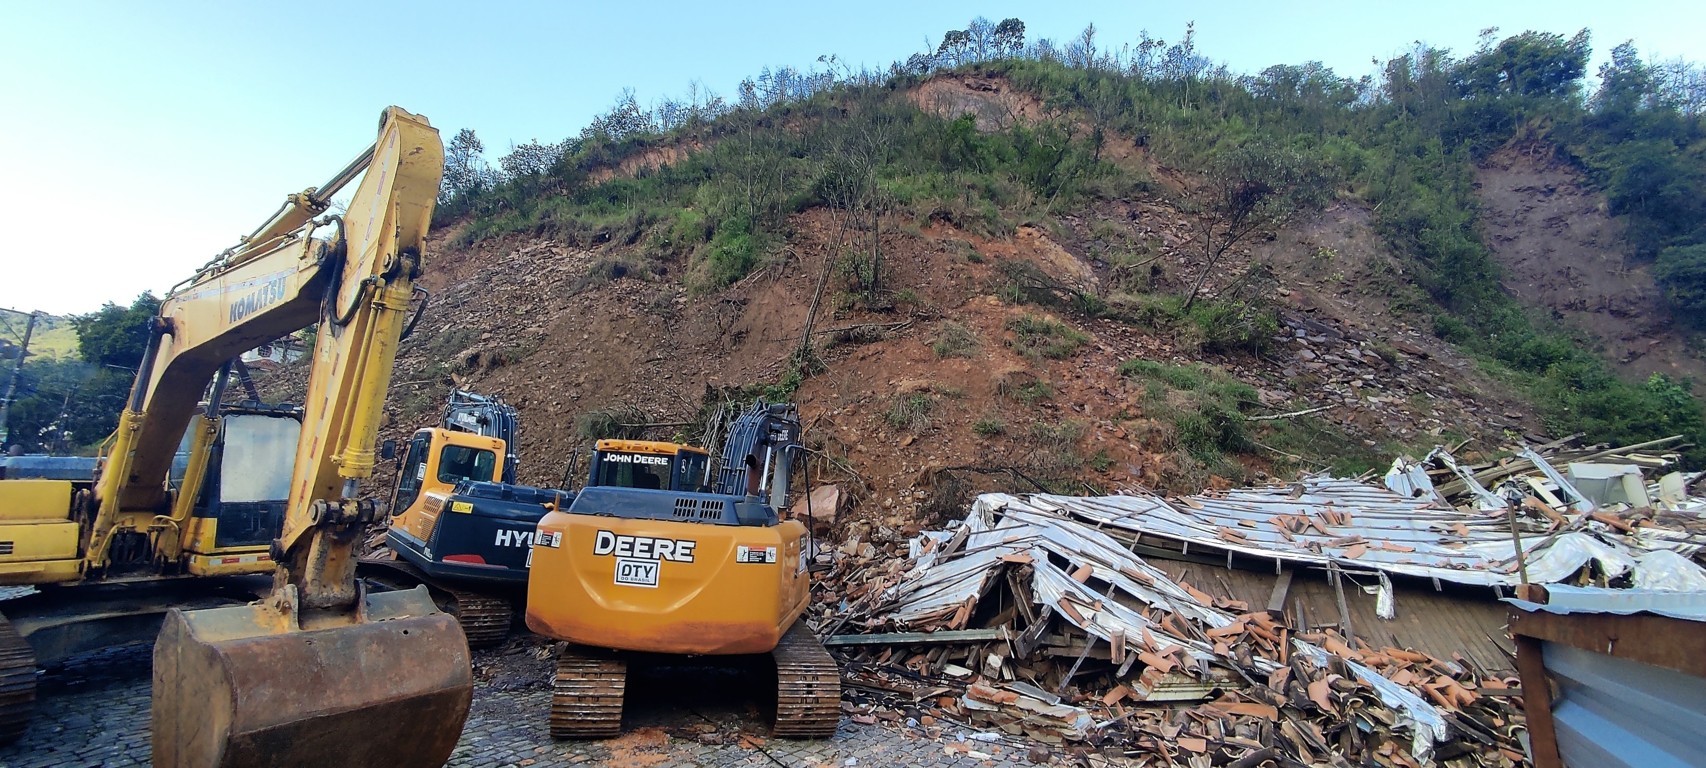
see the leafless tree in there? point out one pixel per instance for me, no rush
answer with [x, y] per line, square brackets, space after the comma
[1253, 187]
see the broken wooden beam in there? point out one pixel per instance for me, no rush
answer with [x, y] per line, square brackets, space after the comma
[915, 638]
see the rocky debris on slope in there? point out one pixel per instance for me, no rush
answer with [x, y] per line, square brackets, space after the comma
[1390, 386]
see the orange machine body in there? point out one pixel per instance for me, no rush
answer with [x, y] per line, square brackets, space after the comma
[666, 586]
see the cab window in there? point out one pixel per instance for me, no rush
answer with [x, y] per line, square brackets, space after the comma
[258, 457]
[633, 470]
[690, 471]
[460, 462]
[412, 473]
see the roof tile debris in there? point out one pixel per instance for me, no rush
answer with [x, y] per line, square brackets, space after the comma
[1038, 616]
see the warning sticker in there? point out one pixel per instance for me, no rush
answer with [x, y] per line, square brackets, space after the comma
[637, 573]
[744, 554]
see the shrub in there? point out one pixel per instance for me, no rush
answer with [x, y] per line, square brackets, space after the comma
[955, 340]
[1233, 326]
[732, 254]
[989, 426]
[1045, 337]
[1029, 393]
[910, 412]
[1204, 407]
[615, 422]
[1681, 272]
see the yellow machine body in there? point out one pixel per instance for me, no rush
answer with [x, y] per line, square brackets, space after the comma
[38, 539]
[656, 555]
[423, 497]
[666, 587]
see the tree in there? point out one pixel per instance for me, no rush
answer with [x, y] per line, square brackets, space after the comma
[1009, 38]
[465, 170]
[1625, 83]
[627, 119]
[52, 407]
[86, 404]
[1252, 187]
[952, 51]
[1538, 64]
[1081, 52]
[531, 160]
[980, 38]
[116, 336]
[1146, 62]
[1681, 273]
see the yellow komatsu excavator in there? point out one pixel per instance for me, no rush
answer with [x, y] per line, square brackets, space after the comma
[321, 672]
[654, 556]
[318, 672]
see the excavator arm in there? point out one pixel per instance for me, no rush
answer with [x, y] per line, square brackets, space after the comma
[273, 283]
[319, 673]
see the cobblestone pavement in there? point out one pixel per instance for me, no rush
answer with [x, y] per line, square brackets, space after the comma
[94, 712]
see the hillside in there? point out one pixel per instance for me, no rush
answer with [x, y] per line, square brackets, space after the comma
[1074, 275]
[1560, 251]
[893, 411]
[54, 337]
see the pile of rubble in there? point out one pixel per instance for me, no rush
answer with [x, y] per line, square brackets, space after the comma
[1040, 617]
[1621, 495]
[1030, 621]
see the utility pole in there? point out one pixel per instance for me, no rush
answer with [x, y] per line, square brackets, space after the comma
[12, 386]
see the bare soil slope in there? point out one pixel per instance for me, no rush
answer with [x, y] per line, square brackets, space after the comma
[1563, 253]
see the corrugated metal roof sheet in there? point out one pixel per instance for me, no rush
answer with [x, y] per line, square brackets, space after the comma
[1459, 620]
[1689, 606]
[1616, 713]
[951, 568]
[1321, 520]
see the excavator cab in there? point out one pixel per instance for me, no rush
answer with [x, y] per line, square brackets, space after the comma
[436, 460]
[649, 465]
[240, 506]
[454, 520]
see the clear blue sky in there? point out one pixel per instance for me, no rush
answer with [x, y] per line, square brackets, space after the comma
[142, 138]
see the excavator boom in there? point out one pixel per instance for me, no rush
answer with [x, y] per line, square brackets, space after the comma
[319, 673]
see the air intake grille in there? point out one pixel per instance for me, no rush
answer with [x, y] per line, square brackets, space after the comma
[698, 509]
[5, 547]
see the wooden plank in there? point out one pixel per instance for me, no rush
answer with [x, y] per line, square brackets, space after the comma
[1282, 585]
[1659, 641]
[1537, 703]
[916, 638]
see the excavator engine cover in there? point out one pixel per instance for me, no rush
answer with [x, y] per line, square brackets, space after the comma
[233, 687]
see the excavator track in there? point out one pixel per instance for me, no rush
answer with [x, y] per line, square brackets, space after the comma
[17, 683]
[808, 686]
[586, 694]
[485, 619]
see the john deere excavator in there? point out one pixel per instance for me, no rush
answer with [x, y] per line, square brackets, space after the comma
[669, 566]
[461, 523]
[318, 672]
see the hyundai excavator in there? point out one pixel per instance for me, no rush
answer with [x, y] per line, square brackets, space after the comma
[666, 565]
[318, 671]
[462, 524]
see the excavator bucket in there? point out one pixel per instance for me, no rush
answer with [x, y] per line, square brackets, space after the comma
[238, 687]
